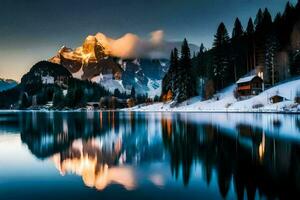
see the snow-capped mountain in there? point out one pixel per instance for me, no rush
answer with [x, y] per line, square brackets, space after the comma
[6, 84]
[119, 64]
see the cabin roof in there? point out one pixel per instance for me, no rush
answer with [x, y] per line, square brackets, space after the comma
[276, 95]
[246, 79]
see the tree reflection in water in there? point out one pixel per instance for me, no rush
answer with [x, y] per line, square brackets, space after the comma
[107, 148]
[254, 162]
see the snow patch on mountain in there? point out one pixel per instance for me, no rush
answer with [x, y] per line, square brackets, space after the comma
[154, 88]
[111, 85]
[78, 74]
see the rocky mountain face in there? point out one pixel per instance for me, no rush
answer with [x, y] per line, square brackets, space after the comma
[95, 61]
[6, 84]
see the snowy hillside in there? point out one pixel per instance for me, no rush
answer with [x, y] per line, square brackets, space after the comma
[226, 102]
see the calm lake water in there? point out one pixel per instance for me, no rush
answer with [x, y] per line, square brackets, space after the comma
[123, 155]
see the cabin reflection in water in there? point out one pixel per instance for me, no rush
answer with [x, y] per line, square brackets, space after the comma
[108, 148]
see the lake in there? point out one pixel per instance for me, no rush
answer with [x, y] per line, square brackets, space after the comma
[134, 155]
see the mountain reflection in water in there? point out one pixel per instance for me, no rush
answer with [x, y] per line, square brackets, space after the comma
[255, 155]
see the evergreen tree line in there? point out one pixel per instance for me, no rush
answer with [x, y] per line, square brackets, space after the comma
[267, 45]
[137, 98]
[180, 82]
[78, 94]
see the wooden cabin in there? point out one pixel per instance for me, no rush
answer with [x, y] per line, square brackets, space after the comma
[250, 85]
[276, 99]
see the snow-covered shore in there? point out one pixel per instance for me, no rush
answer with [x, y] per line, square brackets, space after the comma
[226, 102]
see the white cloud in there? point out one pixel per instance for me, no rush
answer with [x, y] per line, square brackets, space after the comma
[132, 46]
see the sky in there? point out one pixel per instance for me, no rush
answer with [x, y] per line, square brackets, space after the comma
[33, 30]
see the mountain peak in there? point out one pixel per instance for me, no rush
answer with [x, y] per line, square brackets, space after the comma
[123, 63]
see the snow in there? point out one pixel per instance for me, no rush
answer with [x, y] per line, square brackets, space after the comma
[246, 79]
[78, 74]
[224, 101]
[136, 62]
[163, 63]
[48, 79]
[112, 84]
[96, 79]
[109, 83]
[154, 87]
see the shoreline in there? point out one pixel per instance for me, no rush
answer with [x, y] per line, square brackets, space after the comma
[162, 111]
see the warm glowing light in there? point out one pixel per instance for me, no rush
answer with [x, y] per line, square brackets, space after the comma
[261, 148]
[95, 173]
[101, 120]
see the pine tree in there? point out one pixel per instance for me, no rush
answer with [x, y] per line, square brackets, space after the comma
[169, 78]
[191, 75]
[295, 65]
[79, 96]
[200, 64]
[289, 18]
[263, 24]
[288, 10]
[272, 46]
[237, 29]
[70, 98]
[221, 37]
[173, 71]
[132, 92]
[250, 27]
[24, 101]
[202, 49]
[175, 76]
[221, 60]
[187, 84]
[250, 45]
[58, 98]
[277, 20]
[258, 20]
[297, 7]
[267, 21]
[181, 77]
[277, 25]
[117, 93]
[166, 81]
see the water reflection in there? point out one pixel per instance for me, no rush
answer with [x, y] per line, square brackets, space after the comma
[257, 155]
[254, 162]
[95, 164]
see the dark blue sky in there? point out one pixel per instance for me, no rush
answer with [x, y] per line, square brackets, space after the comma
[32, 30]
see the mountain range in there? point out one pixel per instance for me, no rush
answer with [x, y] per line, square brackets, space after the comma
[120, 63]
[6, 84]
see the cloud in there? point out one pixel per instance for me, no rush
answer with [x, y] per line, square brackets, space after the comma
[132, 46]
[157, 37]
